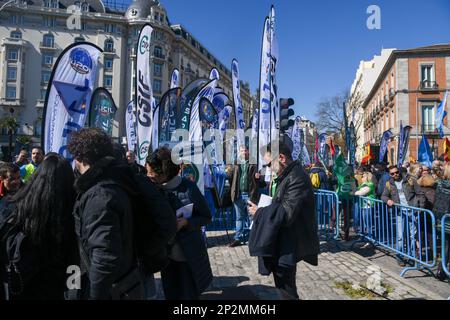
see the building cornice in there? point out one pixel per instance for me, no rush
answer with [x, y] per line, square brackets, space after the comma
[443, 50]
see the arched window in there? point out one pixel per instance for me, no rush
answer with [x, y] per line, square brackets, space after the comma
[85, 7]
[109, 45]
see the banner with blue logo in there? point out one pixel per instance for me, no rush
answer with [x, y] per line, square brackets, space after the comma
[238, 108]
[275, 108]
[103, 111]
[384, 144]
[68, 96]
[169, 109]
[187, 99]
[265, 89]
[130, 126]
[403, 144]
[296, 138]
[214, 74]
[145, 108]
[175, 79]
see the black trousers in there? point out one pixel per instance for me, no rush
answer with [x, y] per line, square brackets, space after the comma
[178, 282]
[284, 278]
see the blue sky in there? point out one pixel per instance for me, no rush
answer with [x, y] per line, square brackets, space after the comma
[321, 42]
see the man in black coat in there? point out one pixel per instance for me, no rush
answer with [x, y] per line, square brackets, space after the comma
[297, 238]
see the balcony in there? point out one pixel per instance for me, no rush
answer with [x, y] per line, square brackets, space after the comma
[391, 93]
[159, 56]
[386, 100]
[4, 102]
[48, 46]
[429, 86]
[429, 128]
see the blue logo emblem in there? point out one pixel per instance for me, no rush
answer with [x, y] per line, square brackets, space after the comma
[80, 60]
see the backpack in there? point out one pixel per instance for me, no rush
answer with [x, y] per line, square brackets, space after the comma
[315, 180]
[19, 260]
[150, 257]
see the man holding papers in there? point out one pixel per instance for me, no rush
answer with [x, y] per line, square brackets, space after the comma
[285, 232]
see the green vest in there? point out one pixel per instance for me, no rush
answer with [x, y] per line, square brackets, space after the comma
[371, 186]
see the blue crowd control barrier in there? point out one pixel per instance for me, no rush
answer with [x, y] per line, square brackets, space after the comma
[408, 231]
[445, 244]
[327, 210]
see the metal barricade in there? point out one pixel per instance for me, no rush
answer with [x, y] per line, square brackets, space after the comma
[408, 231]
[327, 210]
[445, 247]
[221, 219]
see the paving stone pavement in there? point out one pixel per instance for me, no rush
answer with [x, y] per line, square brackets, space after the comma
[236, 276]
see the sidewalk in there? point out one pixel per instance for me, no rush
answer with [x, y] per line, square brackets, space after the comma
[236, 277]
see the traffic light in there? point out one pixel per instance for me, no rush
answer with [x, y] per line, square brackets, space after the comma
[285, 114]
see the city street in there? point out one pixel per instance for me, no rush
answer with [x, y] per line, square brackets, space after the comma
[236, 277]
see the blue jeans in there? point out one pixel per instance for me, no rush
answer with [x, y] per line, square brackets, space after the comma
[240, 206]
[406, 219]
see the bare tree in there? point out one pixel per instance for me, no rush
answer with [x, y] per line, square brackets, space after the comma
[330, 114]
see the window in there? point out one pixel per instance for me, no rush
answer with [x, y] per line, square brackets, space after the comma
[156, 16]
[49, 41]
[85, 7]
[109, 45]
[16, 19]
[83, 26]
[49, 22]
[55, 4]
[427, 75]
[12, 73]
[13, 54]
[157, 86]
[157, 69]
[43, 94]
[47, 3]
[16, 35]
[10, 93]
[79, 39]
[428, 118]
[45, 77]
[38, 128]
[158, 52]
[107, 81]
[110, 28]
[108, 64]
[47, 59]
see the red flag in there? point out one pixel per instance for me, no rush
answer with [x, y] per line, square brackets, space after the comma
[333, 150]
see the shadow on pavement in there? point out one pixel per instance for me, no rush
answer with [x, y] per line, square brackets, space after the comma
[227, 288]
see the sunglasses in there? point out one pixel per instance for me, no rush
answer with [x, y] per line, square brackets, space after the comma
[394, 173]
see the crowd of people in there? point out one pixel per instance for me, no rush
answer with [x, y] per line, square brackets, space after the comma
[414, 185]
[101, 226]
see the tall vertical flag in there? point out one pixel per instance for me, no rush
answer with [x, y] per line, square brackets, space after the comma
[440, 116]
[175, 79]
[425, 155]
[145, 107]
[347, 132]
[264, 93]
[68, 96]
[130, 126]
[352, 149]
[238, 108]
[103, 111]
[384, 144]
[403, 144]
[275, 107]
[296, 139]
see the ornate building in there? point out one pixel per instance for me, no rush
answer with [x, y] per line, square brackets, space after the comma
[34, 33]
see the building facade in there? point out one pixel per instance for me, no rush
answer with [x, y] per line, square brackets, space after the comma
[366, 75]
[33, 35]
[408, 90]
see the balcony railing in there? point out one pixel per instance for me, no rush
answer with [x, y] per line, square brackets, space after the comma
[429, 128]
[428, 85]
[391, 93]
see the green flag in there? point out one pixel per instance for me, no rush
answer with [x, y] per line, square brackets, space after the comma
[344, 175]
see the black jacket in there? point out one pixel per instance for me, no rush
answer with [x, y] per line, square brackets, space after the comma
[253, 183]
[442, 202]
[104, 225]
[297, 237]
[190, 239]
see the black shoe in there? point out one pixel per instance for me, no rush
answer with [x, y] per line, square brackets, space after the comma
[440, 274]
[235, 243]
[401, 262]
